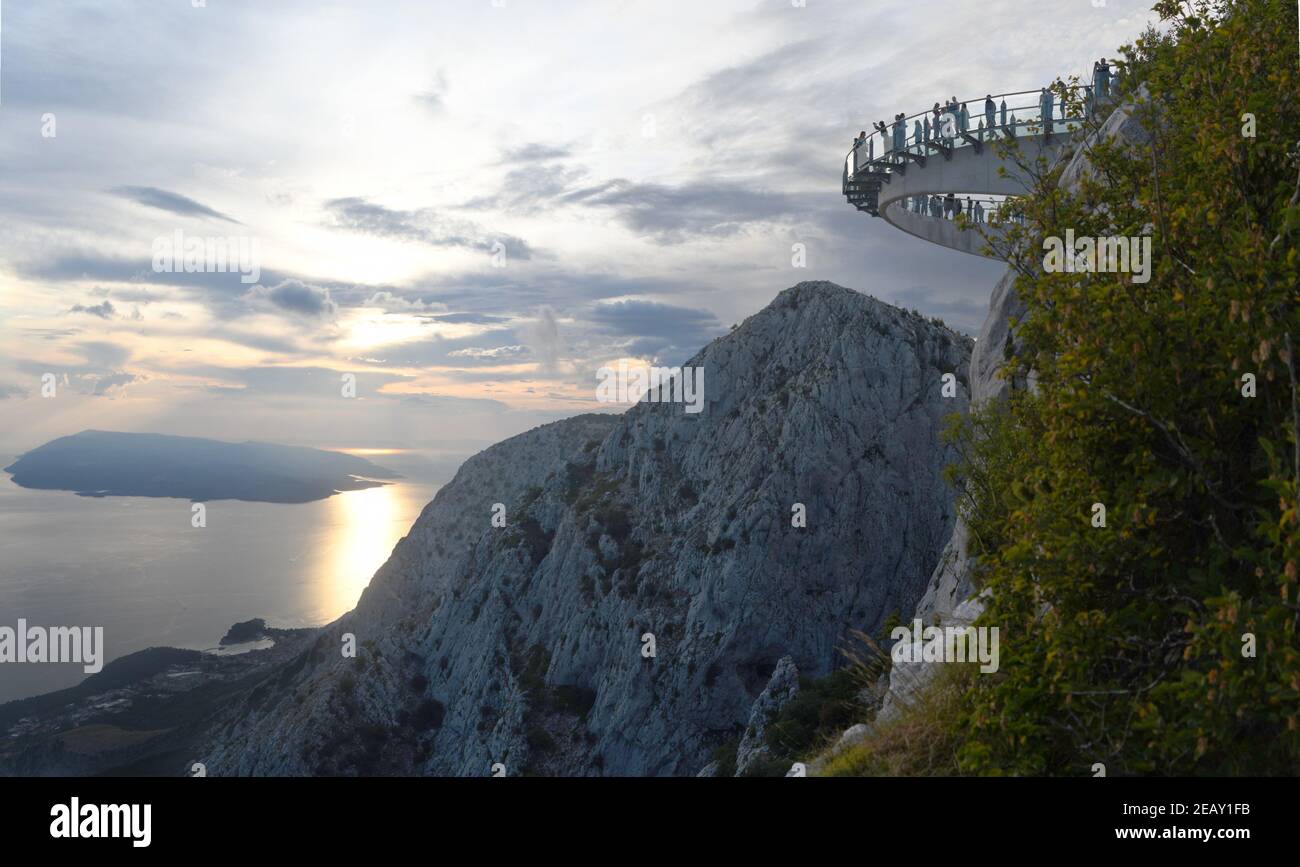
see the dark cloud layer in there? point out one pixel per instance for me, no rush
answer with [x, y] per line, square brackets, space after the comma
[165, 200]
[297, 297]
[104, 309]
[424, 226]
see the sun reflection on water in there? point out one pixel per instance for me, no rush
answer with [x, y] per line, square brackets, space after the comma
[363, 527]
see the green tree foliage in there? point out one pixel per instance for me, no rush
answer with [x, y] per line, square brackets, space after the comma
[1124, 644]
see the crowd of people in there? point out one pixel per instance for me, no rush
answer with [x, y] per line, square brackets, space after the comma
[948, 207]
[945, 123]
[951, 206]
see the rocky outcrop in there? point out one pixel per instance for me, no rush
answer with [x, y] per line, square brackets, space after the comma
[655, 571]
[951, 583]
[783, 687]
[907, 678]
[1122, 126]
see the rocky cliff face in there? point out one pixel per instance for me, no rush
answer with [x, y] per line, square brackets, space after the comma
[951, 583]
[649, 576]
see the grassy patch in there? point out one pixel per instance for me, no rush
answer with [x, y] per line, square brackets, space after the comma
[921, 741]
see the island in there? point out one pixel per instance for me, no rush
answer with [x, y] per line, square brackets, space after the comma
[110, 464]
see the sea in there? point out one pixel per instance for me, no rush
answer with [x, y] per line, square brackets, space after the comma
[137, 567]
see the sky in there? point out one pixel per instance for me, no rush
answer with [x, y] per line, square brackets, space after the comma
[468, 205]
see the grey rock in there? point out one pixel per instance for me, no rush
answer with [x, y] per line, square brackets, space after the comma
[1122, 126]
[522, 645]
[783, 687]
[852, 735]
[908, 678]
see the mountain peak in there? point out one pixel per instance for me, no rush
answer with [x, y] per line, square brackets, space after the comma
[807, 496]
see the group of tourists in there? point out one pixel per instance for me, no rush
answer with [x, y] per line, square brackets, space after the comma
[943, 124]
[950, 207]
[946, 122]
[947, 207]
[893, 135]
[1100, 91]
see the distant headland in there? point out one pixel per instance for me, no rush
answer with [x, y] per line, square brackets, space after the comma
[107, 464]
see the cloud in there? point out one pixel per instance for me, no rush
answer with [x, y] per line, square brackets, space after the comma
[290, 381]
[104, 310]
[83, 264]
[97, 383]
[297, 297]
[424, 226]
[672, 214]
[12, 392]
[543, 337]
[960, 313]
[533, 189]
[665, 213]
[535, 152]
[435, 97]
[390, 302]
[498, 352]
[655, 330]
[104, 385]
[103, 354]
[750, 131]
[468, 318]
[656, 319]
[140, 296]
[165, 200]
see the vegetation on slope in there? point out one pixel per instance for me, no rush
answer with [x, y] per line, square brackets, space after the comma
[1166, 641]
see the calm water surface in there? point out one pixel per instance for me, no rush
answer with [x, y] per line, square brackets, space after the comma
[136, 567]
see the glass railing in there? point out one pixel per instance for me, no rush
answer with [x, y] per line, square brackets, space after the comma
[963, 124]
[976, 209]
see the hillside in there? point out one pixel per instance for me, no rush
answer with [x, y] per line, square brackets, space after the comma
[523, 645]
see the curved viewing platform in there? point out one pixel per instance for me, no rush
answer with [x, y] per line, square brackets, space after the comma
[924, 171]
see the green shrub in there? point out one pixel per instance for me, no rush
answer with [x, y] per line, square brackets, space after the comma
[725, 756]
[1123, 644]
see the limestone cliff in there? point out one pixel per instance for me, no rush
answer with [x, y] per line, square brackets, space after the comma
[649, 577]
